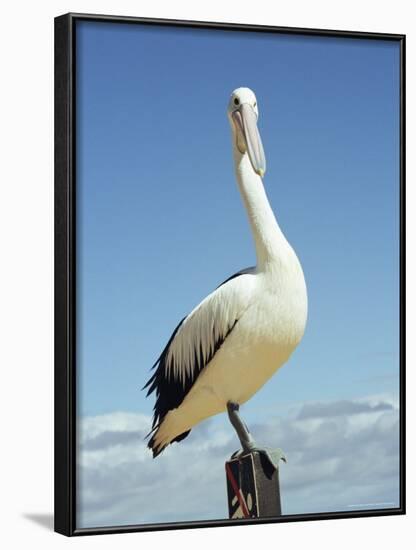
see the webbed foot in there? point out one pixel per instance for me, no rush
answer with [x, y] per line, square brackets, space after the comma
[271, 456]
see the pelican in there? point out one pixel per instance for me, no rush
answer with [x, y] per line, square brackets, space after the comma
[231, 343]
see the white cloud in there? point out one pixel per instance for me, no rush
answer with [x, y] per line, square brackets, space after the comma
[341, 456]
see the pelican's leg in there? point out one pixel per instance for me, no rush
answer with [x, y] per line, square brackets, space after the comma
[247, 442]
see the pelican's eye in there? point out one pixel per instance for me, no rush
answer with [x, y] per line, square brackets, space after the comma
[255, 103]
[236, 101]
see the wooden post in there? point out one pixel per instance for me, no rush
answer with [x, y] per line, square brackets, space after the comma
[253, 487]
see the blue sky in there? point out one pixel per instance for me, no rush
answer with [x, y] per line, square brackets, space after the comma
[160, 221]
[160, 224]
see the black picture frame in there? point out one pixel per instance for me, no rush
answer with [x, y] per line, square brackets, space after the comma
[65, 266]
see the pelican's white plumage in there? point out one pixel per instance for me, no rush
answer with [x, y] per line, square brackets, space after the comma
[240, 334]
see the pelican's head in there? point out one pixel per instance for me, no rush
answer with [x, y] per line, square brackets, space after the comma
[243, 114]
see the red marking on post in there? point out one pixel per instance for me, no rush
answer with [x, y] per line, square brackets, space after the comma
[237, 491]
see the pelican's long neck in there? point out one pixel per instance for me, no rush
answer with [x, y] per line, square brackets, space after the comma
[271, 244]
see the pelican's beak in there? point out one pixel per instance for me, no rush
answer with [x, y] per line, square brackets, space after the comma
[248, 137]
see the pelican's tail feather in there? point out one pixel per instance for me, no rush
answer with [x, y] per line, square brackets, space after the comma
[166, 433]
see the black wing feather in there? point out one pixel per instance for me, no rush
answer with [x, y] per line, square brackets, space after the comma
[170, 392]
